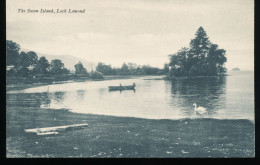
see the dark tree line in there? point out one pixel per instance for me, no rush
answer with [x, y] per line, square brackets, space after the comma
[27, 63]
[130, 69]
[23, 61]
[202, 58]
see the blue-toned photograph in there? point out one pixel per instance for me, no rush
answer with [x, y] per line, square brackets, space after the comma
[130, 79]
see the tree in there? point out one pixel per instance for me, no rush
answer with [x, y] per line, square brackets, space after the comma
[27, 59]
[200, 45]
[216, 60]
[166, 68]
[32, 58]
[105, 69]
[56, 66]
[124, 69]
[23, 72]
[22, 60]
[42, 65]
[12, 72]
[65, 71]
[12, 52]
[199, 50]
[202, 58]
[97, 75]
[80, 69]
[180, 63]
[132, 68]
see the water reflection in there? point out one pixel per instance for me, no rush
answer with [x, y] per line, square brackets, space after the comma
[58, 97]
[45, 99]
[122, 90]
[80, 95]
[224, 97]
[205, 91]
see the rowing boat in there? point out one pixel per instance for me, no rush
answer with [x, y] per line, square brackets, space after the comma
[120, 87]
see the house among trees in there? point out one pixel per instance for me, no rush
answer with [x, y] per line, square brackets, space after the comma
[27, 63]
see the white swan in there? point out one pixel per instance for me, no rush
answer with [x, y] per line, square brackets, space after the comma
[200, 110]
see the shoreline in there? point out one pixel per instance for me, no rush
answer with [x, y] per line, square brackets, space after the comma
[19, 83]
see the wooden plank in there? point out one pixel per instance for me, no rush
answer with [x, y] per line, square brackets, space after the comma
[54, 129]
[47, 133]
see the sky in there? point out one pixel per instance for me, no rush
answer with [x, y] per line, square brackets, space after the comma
[139, 31]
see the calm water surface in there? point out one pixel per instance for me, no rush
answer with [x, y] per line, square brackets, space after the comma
[230, 97]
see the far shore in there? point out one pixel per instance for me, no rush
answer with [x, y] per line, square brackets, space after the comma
[19, 83]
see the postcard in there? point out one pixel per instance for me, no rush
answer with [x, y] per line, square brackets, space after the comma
[130, 79]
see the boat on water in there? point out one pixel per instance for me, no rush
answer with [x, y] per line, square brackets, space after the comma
[120, 87]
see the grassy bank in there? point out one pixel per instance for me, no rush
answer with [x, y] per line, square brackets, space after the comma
[108, 136]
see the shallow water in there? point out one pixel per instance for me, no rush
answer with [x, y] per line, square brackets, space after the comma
[230, 97]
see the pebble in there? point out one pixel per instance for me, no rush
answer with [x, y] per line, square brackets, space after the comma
[184, 152]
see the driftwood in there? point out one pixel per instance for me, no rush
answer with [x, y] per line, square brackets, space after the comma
[54, 130]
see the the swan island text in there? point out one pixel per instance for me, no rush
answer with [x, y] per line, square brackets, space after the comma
[51, 11]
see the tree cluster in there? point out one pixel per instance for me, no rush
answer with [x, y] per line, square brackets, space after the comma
[27, 63]
[80, 70]
[23, 61]
[130, 69]
[202, 58]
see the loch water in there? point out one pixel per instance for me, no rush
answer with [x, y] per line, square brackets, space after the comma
[228, 97]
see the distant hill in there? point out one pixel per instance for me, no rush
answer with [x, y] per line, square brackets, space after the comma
[68, 60]
[235, 69]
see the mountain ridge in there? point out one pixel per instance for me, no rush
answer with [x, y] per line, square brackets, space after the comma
[68, 60]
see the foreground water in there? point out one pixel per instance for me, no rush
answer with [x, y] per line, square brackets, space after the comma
[230, 97]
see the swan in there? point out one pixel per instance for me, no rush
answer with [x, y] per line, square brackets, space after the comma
[200, 110]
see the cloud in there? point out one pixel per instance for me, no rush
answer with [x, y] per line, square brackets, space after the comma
[141, 31]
